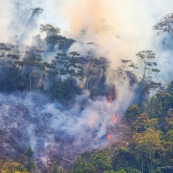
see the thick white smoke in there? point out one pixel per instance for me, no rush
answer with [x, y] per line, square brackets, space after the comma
[121, 28]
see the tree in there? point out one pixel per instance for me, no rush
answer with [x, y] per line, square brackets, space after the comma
[147, 143]
[101, 161]
[131, 113]
[49, 29]
[95, 76]
[27, 159]
[67, 65]
[10, 73]
[125, 72]
[169, 120]
[62, 77]
[142, 123]
[165, 24]
[124, 158]
[147, 56]
[38, 43]
[149, 67]
[11, 167]
[155, 106]
[55, 41]
[93, 162]
[109, 171]
[33, 68]
[54, 168]
[82, 166]
[168, 146]
[121, 171]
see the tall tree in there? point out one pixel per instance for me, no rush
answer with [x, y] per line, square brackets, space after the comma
[149, 67]
[165, 24]
[147, 143]
[27, 159]
[126, 72]
[33, 68]
[63, 76]
[54, 168]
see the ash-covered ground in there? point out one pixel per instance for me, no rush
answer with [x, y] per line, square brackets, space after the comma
[56, 132]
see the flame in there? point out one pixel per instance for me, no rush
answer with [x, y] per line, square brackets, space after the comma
[108, 136]
[115, 119]
[110, 99]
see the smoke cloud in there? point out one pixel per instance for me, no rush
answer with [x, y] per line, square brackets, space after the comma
[53, 131]
[121, 28]
[117, 29]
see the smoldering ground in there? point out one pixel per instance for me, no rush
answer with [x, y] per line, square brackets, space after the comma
[55, 131]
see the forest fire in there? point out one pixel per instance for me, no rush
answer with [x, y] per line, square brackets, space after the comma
[115, 119]
[110, 98]
[108, 136]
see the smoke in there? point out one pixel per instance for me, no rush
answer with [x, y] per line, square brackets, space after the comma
[18, 20]
[115, 29]
[55, 131]
[121, 28]
[5, 20]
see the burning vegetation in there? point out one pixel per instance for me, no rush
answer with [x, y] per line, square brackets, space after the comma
[64, 107]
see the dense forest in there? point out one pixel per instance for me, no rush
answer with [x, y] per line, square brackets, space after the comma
[62, 111]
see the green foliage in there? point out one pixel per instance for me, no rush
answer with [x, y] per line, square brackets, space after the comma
[132, 170]
[121, 171]
[148, 140]
[29, 152]
[26, 68]
[33, 68]
[9, 166]
[131, 113]
[83, 167]
[54, 41]
[11, 78]
[91, 163]
[54, 168]
[101, 161]
[155, 106]
[61, 80]
[27, 159]
[109, 171]
[147, 143]
[64, 90]
[142, 123]
[124, 158]
[147, 83]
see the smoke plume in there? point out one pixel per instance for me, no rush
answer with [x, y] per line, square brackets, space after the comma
[115, 29]
[54, 131]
